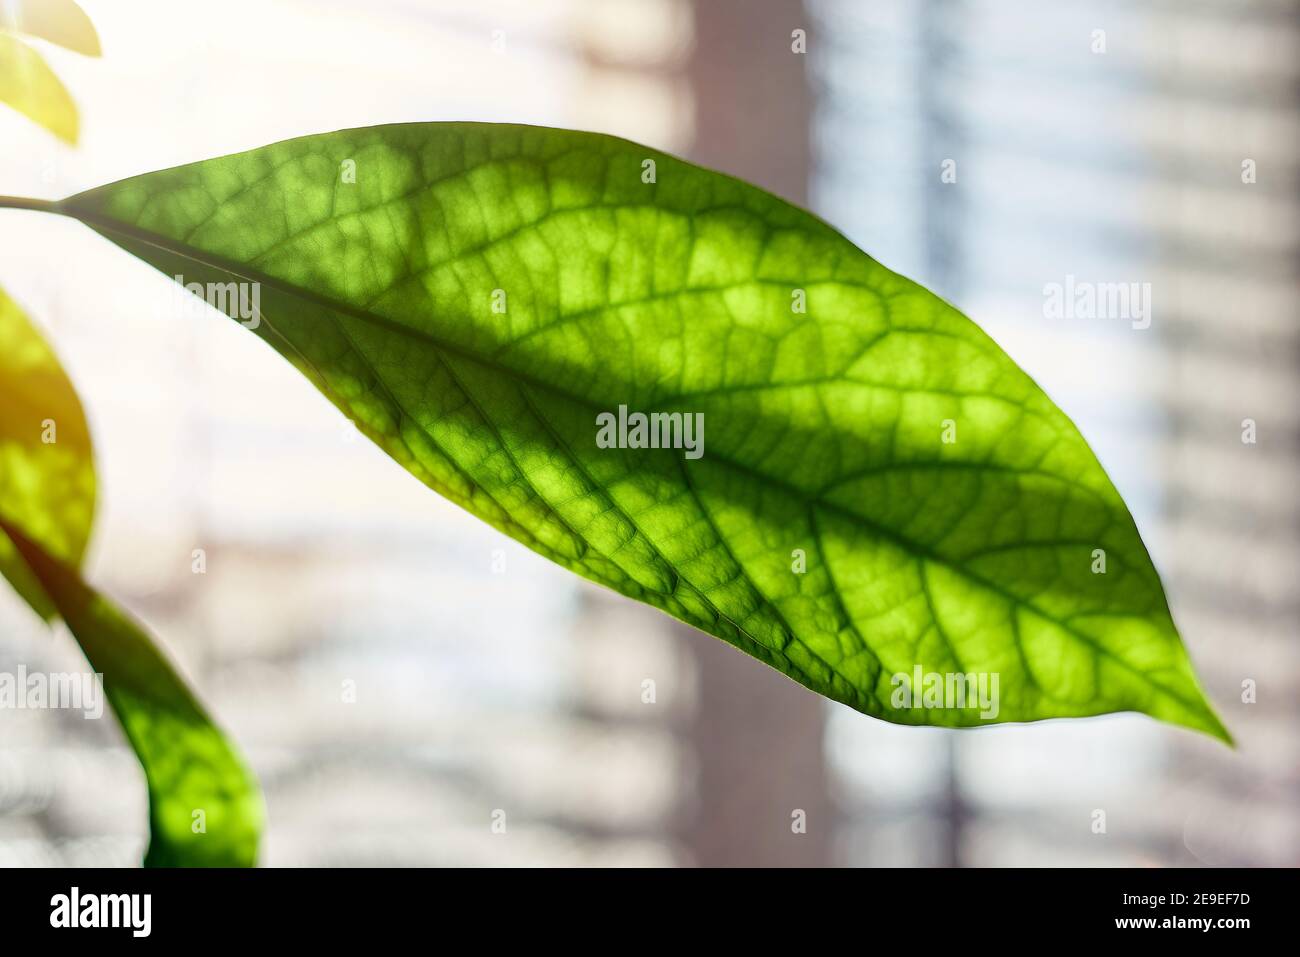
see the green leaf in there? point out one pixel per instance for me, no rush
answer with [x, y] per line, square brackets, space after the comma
[30, 87]
[189, 764]
[58, 21]
[678, 292]
[47, 468]
[47, 504]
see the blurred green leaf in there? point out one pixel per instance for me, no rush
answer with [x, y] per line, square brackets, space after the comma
[30, 87]
[476, 297]
[47, 468]
[58, 21]
[205, 807]
[47, 503]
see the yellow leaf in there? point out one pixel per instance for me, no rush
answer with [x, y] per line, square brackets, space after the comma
[47, 471]
[30, 87]
[59, 21]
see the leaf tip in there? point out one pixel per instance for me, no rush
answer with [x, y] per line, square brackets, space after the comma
[1219, 730]
[1207, 721]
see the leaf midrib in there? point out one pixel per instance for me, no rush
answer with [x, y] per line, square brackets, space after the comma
[215, 260]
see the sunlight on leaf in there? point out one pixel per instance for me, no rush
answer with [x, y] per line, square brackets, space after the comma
[881, 491]
[47, 504]
[205, 807]
[30, 87]
[47, 469]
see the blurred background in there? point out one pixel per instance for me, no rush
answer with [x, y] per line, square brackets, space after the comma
[1103, 140]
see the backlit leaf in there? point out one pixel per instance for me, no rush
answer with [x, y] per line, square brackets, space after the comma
[205, 808]
[59, 21]
[47, 503]
[47, 469]
[881, 491]
[30, 87]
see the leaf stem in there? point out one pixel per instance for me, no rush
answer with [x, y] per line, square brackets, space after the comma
[22, 202]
